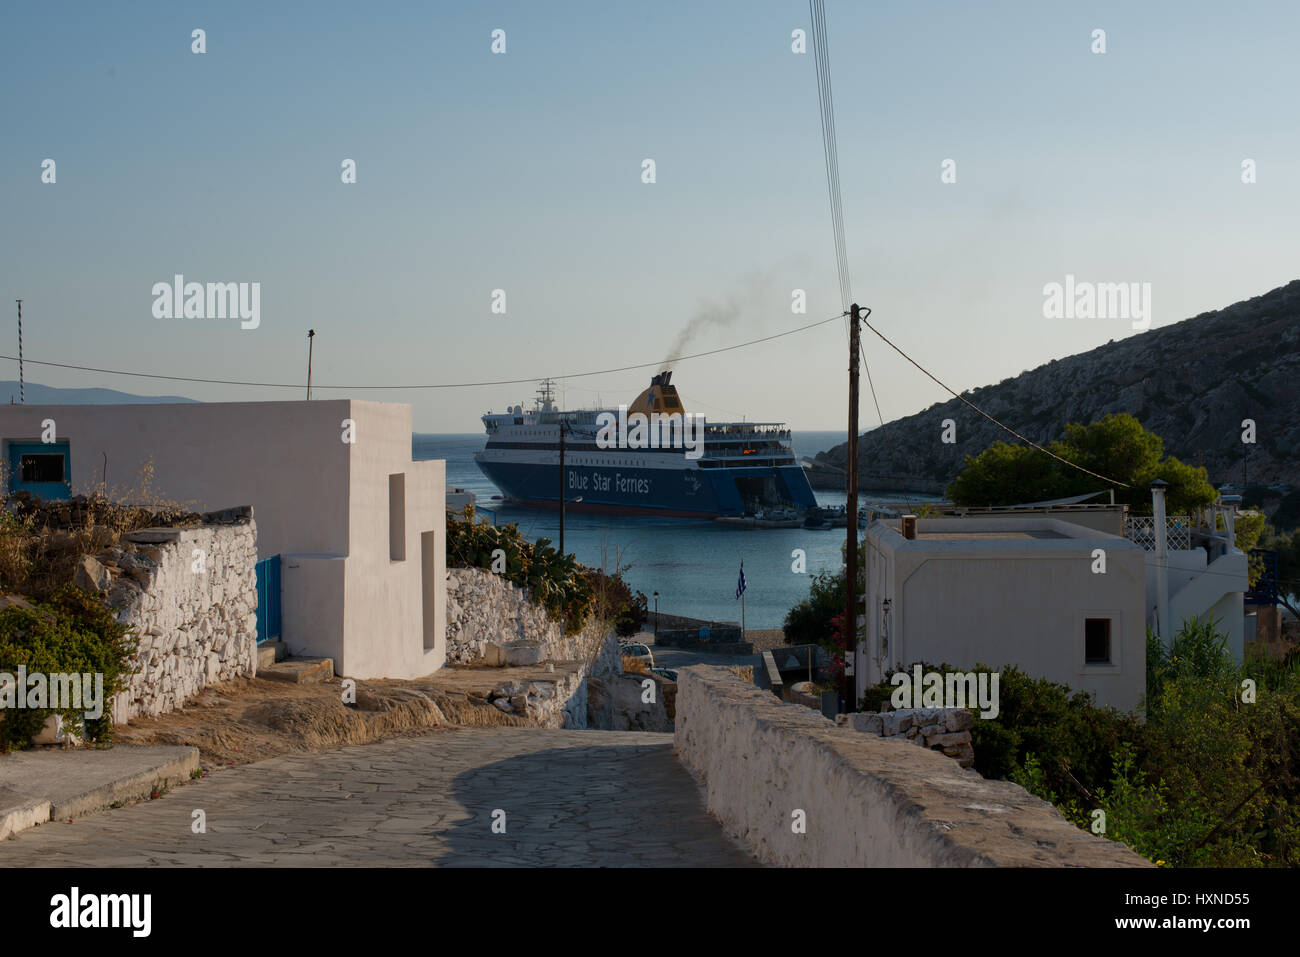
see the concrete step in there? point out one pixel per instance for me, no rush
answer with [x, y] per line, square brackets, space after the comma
[299, 671]
[269, 652]
[55, 784]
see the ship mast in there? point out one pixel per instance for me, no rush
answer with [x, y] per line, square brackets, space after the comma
[546, 395]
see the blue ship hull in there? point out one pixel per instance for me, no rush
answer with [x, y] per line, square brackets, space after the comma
[694, 493]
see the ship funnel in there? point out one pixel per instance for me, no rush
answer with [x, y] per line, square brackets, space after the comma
[661, 396]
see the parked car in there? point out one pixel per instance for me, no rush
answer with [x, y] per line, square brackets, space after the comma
[668, 673]
[639, 651]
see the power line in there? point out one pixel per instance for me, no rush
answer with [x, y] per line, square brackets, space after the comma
[444, 385]
[830, 147]
[989, 417]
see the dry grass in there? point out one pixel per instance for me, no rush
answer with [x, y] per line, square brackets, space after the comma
[245, 720]
[42, 542]
[635, 666]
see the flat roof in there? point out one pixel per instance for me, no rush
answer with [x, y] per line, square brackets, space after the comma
[1026, 533]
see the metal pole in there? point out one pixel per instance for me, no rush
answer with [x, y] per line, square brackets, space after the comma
[311, 335]
[851, 553]
[561, 488]
[22, 390]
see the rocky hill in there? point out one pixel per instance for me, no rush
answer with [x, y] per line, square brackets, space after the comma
[1192, 383]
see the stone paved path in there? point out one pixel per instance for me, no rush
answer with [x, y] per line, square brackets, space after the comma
[571, 799]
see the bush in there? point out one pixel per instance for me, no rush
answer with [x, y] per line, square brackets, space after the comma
[555, 581]
[616, 602]
[71, 633]
[1212, 777]
[809, 622]
[813, 620]
[1066, 735]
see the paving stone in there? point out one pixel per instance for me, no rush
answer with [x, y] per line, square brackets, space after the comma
[572, 799]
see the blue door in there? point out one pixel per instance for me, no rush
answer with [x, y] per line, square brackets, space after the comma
[42, 468]
[268, 599]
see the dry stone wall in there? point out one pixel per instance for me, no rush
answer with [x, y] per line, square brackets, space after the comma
[190, 597]
[940, 729]
[490, 621]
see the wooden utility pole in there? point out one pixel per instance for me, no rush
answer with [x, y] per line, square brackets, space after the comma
[851, 547]
[22, 390]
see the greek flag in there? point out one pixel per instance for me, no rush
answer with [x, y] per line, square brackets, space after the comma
[740, 585]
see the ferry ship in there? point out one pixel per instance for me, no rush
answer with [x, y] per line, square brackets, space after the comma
[738, 468]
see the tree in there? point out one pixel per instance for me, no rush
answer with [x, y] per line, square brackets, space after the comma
[812, 621]
[1006, 474]
[1287, 516]
[1287, 547]
[1116, 447]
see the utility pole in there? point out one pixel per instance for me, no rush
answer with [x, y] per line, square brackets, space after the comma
[311, 334]
[562, 426]
[22, 391]
[851, 552]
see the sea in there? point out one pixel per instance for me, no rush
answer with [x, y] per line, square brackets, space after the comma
[693, 564]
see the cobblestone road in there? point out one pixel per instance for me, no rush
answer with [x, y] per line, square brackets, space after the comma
[571, 799]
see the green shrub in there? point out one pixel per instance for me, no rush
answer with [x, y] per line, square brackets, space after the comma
[557, 582]
[1210, 779]
[616, 602]
[809, 622]
[71, 633]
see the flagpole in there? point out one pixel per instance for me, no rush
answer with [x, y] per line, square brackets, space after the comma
[742, 597]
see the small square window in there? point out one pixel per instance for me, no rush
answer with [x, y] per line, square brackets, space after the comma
[1096, 641]
[42, 468]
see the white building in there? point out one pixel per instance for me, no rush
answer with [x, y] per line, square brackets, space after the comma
[1007, 590]
[1023, 589]
[356, 529]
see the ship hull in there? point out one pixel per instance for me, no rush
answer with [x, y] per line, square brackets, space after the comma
[628, 490]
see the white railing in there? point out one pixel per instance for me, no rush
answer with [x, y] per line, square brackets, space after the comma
[1142, 530]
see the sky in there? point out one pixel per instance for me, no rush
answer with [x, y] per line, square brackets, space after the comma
[522, 171]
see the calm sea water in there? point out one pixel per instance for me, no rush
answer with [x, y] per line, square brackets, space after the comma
[694, 565]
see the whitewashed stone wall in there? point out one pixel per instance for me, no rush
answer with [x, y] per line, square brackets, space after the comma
[939, 729]
[194, 627]
[803, 792]
[491, 621]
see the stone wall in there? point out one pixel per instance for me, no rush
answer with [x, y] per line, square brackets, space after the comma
[490, 621]
[195, 624]
[620, 702]
[803, 792]
[946, 730]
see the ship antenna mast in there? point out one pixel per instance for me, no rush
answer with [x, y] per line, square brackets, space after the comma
[546, 395]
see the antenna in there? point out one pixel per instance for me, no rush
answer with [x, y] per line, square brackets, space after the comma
[22, 391]
[311, 334]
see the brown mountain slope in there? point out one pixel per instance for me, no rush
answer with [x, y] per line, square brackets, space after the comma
[1192, 383]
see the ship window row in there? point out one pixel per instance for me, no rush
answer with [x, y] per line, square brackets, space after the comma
[569, 447]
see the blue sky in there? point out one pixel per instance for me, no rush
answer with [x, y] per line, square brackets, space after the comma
[522, 172]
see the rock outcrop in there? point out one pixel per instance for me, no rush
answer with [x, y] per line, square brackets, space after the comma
[1192, 383]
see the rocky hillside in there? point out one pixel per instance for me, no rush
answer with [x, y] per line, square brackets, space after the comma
[1192, 383]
